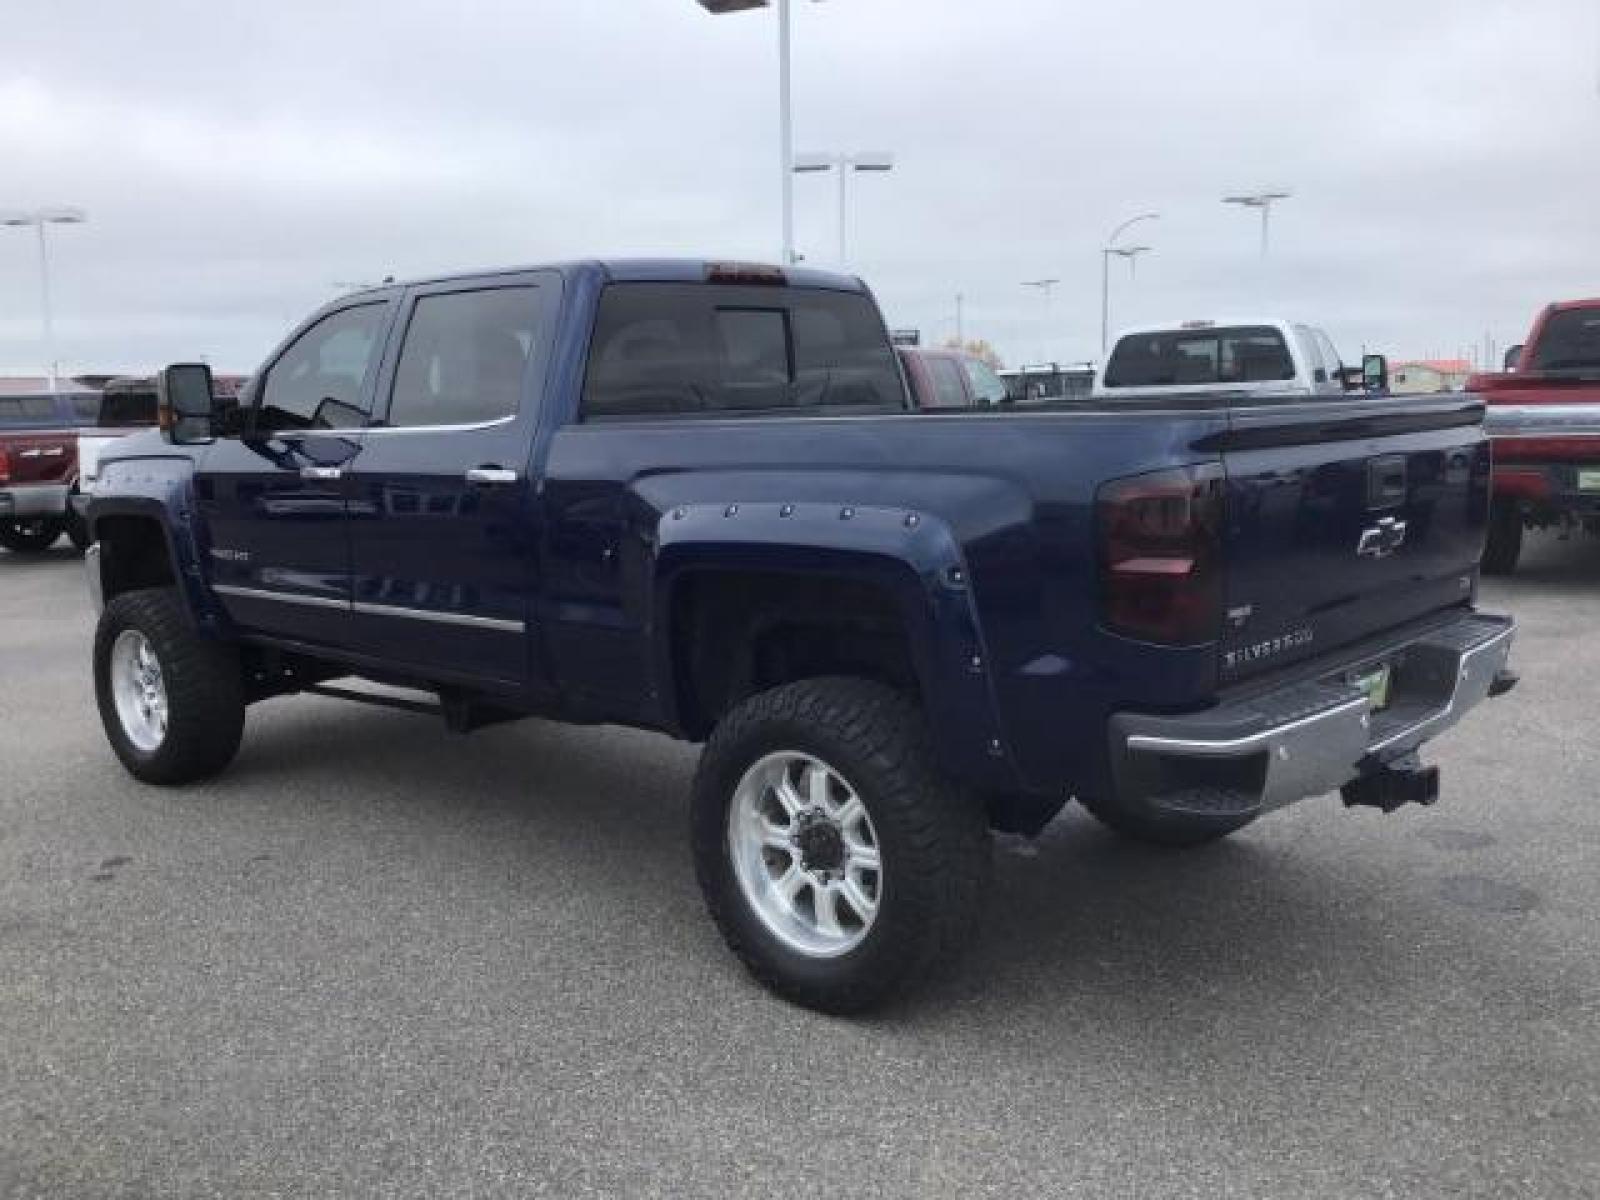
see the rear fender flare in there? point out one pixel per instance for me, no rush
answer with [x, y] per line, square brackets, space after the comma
[912, 557]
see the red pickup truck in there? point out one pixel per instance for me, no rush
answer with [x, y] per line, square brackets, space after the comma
[39, 467]
[1544, 419]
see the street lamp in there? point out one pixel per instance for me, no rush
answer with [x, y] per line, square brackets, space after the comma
[1264, 200]
[1128, 252]
[866, 160]
[39, 218]
[718, 8]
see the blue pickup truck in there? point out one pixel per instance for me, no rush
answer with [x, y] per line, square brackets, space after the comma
[694, 498]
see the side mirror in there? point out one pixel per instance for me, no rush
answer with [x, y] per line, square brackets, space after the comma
[1513, 357]
[1374, 373]
[185, 406]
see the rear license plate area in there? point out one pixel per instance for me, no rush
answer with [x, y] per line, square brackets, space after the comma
[1374, 683]
[1589, 481]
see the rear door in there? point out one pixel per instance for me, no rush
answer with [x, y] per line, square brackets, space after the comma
[1346, 519]
[444, 525]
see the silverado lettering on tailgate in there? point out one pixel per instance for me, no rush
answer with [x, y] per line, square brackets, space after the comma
[1256, 651]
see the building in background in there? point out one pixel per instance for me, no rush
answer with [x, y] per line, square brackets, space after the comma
[1419, 375]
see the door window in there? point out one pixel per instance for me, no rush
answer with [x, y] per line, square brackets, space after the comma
[316, 383]
[464, 357]
[988, 387]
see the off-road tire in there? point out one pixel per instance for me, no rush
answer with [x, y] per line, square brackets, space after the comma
[1503, 547]
[932, 835]
[30, 536]
[1162, 827]
[204, 690]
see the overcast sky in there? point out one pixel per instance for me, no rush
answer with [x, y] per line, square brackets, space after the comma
[238, 161]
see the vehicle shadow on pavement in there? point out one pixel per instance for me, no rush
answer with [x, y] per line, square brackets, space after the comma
[1078, 918]
[1552, 564]
[64, 553]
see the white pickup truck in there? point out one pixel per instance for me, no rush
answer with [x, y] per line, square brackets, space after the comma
[1268, 356]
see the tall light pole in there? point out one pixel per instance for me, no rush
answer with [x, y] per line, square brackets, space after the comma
[1044, 287]
[719, 8]
[1106, 252]
[866, 160]
[39, 218]
[1264, 200]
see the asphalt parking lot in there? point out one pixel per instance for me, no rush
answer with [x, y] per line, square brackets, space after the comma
[375, 958]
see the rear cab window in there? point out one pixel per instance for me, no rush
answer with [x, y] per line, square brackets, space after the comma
[31, 412]
[948, 389]
[1196, 357]
[1569, 341]
[690, 349]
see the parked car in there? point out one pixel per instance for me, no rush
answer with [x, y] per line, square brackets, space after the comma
[694, 498]
[950, 379]
[1544, 416]
[39, 467]
[1047, 383]
[1267, 356]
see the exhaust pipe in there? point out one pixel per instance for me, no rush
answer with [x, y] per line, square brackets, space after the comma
[1404, 781]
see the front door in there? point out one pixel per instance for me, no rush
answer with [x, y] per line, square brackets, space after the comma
[273, 495]
[444, 523]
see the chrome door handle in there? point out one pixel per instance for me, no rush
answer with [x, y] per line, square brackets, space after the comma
[323, 473]
[491, 475]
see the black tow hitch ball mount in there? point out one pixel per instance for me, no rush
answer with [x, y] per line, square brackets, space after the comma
[1394, 785]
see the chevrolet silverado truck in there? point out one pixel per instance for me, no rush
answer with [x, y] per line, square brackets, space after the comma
[694, 498]
[39, 468]
[1544, 421]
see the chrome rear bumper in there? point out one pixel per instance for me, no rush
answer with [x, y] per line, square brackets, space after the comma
[34, 500]
[1312, 737]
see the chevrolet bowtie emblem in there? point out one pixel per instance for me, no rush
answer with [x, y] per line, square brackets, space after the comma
[1383, 539]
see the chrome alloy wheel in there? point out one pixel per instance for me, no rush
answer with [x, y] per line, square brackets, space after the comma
[805, 854]
[138, 690]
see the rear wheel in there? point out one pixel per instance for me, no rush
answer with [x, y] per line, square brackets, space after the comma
[839, 864]
[33, 535]
[171, 701]
[1187, 823]
[1504, 545]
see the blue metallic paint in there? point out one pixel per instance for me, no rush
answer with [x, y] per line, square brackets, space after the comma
[979, 526]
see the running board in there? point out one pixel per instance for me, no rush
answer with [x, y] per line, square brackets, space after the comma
[461, 714]
[400, 702]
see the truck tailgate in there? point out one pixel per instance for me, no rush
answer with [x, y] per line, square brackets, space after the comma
[1347, 518]
[27, 458]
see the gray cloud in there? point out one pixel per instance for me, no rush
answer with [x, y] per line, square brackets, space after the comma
[1445, 158]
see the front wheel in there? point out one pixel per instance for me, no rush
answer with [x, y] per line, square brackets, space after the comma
[171, 701]
[838, 863]
[34, 535]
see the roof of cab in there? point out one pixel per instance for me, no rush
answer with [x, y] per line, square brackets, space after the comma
[644, 270]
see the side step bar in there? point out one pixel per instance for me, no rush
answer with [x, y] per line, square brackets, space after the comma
[461, 715]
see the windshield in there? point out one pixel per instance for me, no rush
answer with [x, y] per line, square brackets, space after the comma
[1570, 339]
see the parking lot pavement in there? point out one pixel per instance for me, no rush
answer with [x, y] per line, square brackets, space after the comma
[375, 958]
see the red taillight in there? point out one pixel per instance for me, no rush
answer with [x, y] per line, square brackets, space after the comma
[735, 272]
[5, 466]
[1160, 555]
